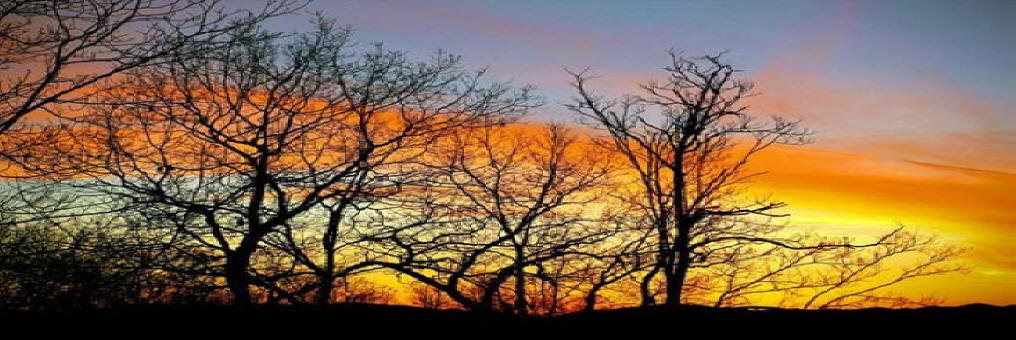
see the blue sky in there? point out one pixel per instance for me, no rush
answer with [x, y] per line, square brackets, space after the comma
[931, 75]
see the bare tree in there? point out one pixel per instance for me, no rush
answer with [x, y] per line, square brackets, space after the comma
[687, 140]
[280, 167]
[396, 110]
[429, 297]
[203, 138]
[859, 279]
[361, 290]
[55, 55]
[625, 254]
[239, 142]
[54, 52]
[835, 277]
[87, 261]
[502, 203]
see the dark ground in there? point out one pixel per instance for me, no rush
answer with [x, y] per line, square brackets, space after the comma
[367, 321]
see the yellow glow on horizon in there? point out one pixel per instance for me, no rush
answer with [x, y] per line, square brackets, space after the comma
[846, 194]
[858, 195]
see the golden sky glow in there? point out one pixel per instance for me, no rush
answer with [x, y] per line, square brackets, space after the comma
[851, 194]
[854, 194]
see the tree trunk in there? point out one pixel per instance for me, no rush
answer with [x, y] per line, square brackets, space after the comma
[237, 280]
[645, 286]
[675, 279]
[520, 284]
[673, 297]
[326, 280]
[591, 298]
[323, 296]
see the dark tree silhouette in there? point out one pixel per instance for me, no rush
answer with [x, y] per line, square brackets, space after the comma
[236, 143]
[500, 206]
[604, 264]
[394, 110]
[88, 262]
[822, 278]
[195, 157]
[53, 52]
[688, 140]
[56, 55]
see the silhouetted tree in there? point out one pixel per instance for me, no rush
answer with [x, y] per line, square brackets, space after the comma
[427, 296]
[207, 156]
[395, 109]
[96, 261]
[54, 52]
[238, 142]
[687, 140]
[834, 277]
[501, 204]
[627, 253]
[56, 55]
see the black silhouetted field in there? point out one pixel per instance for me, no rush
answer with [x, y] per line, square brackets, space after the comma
[388, 320]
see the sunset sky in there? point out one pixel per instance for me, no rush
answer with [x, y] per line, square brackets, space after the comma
[911, 101]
